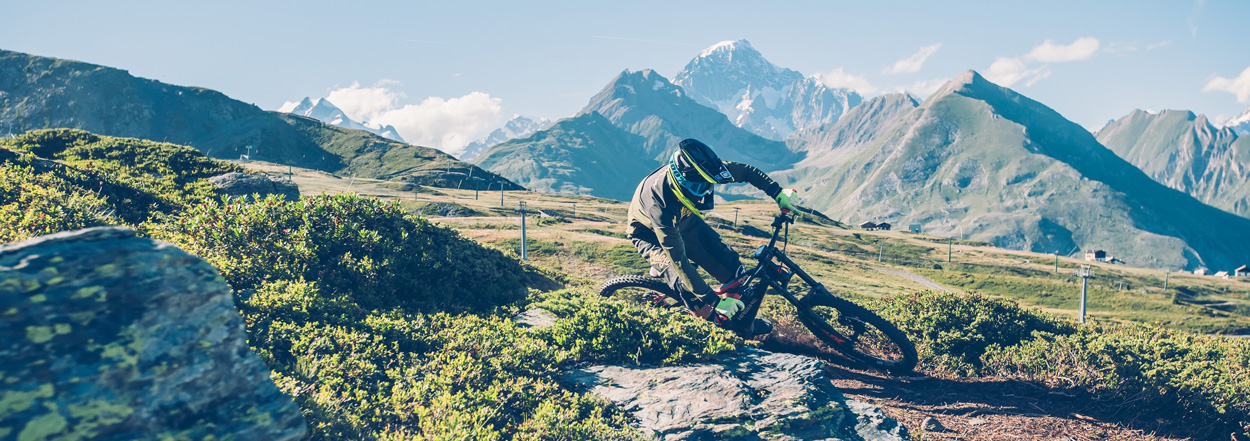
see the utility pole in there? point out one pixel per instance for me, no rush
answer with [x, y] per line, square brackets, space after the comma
[880, 246]
[500, 194]
[520, 208]
[1165, 279]
[1084, 273]
[1056, 262]
[736, 215]
[575, 210]
[949, 249]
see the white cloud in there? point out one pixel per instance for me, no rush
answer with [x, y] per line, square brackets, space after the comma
[1033, 66]
[840, 79]
[1239, 86]
[1008, 71]
[362, 103]
[913, 63]
[924, 88]
[445, 124]
[1158, 45]
[1049, 52]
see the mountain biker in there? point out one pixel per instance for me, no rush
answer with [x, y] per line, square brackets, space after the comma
[665, 223]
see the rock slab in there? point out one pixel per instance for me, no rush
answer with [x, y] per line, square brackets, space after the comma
[750, 395]
[250, 184]
[109, 336]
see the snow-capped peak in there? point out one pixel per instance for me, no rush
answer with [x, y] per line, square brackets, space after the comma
[325, 111]
[727, 46]
[1240, 124]
[757, 95]
[296, 106]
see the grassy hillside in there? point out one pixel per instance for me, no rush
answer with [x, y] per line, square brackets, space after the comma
[44, 93]
[1185, 152]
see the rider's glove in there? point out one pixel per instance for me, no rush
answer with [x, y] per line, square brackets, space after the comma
[730, 307]
[785, 199]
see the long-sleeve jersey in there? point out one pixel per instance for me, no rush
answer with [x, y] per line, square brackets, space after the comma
[657, 208]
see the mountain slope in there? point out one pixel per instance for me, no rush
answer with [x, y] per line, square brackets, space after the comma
[735, 79]
[1186, 152]
[646, 104]
[517, 127]
[583, 155]
[982, 161]
[40, 92]
[325, 111]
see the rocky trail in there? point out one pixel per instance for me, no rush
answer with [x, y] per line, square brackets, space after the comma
[935, 408]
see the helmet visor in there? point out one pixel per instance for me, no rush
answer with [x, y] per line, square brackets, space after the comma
[699, 189]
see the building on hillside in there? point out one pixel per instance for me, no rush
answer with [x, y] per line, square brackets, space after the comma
[1242, 271]
[915, 228]
[1200, 272]
[884, 226]
[1095, 256]
[868, 226]
[1222, 274]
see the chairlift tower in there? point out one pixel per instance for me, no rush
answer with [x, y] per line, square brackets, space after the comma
[1084, 273]
[520, 208]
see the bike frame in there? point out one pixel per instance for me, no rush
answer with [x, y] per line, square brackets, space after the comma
[767, 269]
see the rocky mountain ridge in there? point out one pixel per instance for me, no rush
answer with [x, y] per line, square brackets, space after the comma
[735, 79]
[1186, 152]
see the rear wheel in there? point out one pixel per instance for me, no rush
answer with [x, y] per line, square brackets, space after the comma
[643, 289]
[857, 332]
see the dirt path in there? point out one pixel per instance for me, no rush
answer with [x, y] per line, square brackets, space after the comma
[996, 409]
[915, 278]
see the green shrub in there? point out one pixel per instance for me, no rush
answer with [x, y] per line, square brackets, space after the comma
[371, 251]
[613, 330]
[398, 375]
[1199, 378]
[176, 174]
[37, 204]
[953, 331]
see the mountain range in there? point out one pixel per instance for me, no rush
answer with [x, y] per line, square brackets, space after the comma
[325, 111]
[517, 127]
[974, 160]
[1186, 152]
[981, 161]
[40, 92]
[735, 79]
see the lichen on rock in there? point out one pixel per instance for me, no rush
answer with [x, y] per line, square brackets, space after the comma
[113, 336]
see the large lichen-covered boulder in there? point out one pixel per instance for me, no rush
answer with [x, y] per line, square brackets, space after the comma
[251, 184]
[750, 395]
[112, 336]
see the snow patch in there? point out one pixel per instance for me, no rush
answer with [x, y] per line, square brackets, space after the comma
[727, 44]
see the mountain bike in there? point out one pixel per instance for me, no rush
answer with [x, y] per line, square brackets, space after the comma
[842, 325]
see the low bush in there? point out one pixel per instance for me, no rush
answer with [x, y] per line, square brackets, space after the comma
[1200, 379]
[953, 331]
[37, 204]
[397, 375]
[371, 251]
[616, 330]
[176, 174]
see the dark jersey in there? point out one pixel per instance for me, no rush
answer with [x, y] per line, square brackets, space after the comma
[655, 207]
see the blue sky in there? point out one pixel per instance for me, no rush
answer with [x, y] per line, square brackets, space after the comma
[446, 72]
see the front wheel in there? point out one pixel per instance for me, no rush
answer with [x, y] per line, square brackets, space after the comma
[857, 332]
